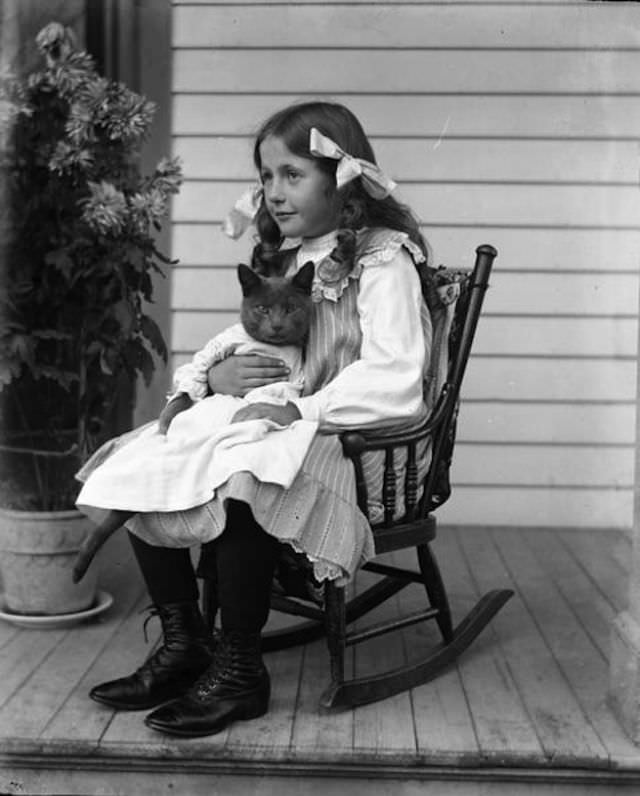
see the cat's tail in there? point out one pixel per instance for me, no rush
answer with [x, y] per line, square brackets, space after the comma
[98, 536]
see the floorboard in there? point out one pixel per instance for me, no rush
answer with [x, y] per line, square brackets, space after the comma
[526, 704]
[580, 661]
[386, 725]
[502, 723]
[444, 726]
[316, 730]
[552, 707]
[594, 612]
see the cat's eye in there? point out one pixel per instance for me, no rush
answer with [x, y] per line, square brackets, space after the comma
[262, 309]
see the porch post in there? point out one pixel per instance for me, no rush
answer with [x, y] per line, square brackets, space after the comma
[131, 42]
[152, 44]
[624, 685]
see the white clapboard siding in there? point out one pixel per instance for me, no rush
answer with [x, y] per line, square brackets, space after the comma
[313, 71]
[550, 379]
[512, 123]
[240, 3]
[554, 466]
[558, 423]
[419, 26]
[545, 506]
[524, 249]
[468, 160]
[531, 205]
[583, 116]
[514, 294]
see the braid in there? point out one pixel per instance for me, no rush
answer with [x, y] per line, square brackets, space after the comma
[345, 248]
[359, 209]
[267, 229]
[266, 257]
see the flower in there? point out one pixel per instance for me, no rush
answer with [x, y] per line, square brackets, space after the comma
[148, 208]
[56, 42]
[105, 209]
[79, 123]
[66, 157]
[168, 174]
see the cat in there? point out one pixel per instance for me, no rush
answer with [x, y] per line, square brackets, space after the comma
[275, 310]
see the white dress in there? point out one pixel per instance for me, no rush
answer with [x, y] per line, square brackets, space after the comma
[202, 449]
[365, 360]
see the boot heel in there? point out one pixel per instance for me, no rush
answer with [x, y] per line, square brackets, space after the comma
[254, 709]
[257, 704]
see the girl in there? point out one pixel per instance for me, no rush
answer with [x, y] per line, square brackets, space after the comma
[369, 339]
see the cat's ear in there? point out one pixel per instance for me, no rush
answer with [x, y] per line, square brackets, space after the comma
[248, 279]
[303, 279]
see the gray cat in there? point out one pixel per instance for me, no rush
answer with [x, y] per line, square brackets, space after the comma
[275, 310]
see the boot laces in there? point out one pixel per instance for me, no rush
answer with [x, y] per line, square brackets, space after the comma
[232, 662]
[175, 636]
[217, 672]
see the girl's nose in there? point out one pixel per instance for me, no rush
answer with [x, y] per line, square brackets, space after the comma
[275, 193]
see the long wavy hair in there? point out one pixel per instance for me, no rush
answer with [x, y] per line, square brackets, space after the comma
[357, 209]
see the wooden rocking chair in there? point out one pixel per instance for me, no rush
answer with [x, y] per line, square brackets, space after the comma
[415, 528]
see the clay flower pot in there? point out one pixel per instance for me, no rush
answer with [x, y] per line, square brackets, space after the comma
[37, 551]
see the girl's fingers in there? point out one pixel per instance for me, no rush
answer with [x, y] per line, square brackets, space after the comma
[258, 378]
[265, 363]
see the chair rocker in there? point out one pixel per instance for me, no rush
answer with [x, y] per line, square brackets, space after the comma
[415, 528]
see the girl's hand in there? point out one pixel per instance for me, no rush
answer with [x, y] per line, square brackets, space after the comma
[236, 375]
[176, 405]
[283, 415]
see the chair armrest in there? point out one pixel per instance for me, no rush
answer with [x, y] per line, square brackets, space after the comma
[356, 441]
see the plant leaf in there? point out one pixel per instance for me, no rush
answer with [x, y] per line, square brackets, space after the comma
[152, 332]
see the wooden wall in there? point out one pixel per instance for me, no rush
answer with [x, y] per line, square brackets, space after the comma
[511, 123]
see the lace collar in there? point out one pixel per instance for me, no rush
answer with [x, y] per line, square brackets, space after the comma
[331, 277]
[374, 247]
[316, 249]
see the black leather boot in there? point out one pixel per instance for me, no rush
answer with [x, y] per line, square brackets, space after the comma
[186, 652]
[235, 687]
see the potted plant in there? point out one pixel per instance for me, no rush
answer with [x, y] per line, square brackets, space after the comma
[77, 259]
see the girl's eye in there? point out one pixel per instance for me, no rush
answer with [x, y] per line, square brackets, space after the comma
[293, 175]
[265, 177]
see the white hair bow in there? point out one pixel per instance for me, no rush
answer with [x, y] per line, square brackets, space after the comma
[243, 212]
[374, 181]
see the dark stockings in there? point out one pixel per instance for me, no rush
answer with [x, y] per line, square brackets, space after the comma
[241, 562]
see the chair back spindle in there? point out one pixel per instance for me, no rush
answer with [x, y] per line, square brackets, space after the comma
[465, 322]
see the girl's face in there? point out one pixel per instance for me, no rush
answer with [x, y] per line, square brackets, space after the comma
[299, 196]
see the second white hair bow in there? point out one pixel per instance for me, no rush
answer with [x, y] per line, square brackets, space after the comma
[243, 212]
[374, 181]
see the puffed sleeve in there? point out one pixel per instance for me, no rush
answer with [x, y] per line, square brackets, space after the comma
[191, 378]
[386, 383]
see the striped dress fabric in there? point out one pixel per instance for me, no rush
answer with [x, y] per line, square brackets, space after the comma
[317, 515]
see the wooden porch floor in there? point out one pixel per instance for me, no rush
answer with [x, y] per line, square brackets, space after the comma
[526, 702]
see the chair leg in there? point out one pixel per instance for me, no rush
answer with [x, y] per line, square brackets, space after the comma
[436, 592]
[335, 621]
[371, 689]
